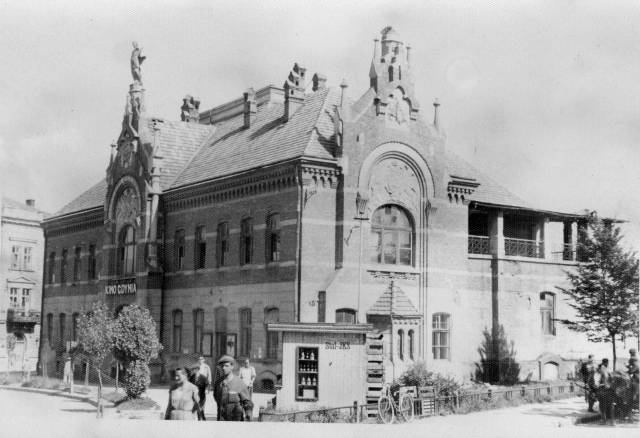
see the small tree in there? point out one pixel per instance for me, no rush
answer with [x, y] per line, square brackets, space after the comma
[497, 359]
[95, 335]
[135, 344]
[604, 289]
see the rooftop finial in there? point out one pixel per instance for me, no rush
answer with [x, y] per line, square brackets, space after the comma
[136, 62]
[343, 92]
[436, 104]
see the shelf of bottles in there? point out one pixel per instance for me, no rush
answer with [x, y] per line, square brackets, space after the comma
[307, 374]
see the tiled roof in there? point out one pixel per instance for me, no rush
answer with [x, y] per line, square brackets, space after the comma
[489, 191]
[12, 203]
[393, 301]
[269, 140]
[94, 197]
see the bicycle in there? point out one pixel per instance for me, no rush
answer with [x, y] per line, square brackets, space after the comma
[389, 410]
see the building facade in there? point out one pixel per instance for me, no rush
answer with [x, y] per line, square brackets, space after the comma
[21, 261]
[299, 205]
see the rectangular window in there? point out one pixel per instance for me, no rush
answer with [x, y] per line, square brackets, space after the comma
[198, 326]
[220, 318]
[179, 250]
[26, 258]
[13, 297]
[441, 336]
[272, 315]
[50, 328]
[245, 332]
[76, 263]
[15, 257]
[547, 313]
[273, 238]
[92, 271]
[322, 306]
[307, 374]
[246, 241]
[177, 331]
[200, 246]
[223, 244]
[52, 267]
[63, 267]
[63, 328]
[26, 298]
[345, 316]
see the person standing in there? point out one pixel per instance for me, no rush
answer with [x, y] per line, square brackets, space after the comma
[234, 401]
[183, 398]
[202, 381]
[248, 375]
[67, 374]
[587, 371]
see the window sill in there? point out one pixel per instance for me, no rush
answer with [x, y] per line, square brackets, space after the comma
[384, 271]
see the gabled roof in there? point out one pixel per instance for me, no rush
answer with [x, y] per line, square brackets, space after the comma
[393, 302]
[269, 140]
[92, 198]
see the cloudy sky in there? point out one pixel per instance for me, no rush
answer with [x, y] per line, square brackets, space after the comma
[542, 95]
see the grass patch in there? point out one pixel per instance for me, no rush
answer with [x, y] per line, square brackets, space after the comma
[136, 404]
[43, 383]
[114, 397]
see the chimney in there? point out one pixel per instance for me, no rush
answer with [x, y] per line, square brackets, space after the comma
[319, 81]
[30, 202]
[436, 104]
[343, 93]
[250, 107]
[189, 109]
[294, 90]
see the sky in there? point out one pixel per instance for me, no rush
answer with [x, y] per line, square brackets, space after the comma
[543, 96]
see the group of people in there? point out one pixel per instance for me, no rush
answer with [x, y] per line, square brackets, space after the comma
[597, 379]
[232, 394]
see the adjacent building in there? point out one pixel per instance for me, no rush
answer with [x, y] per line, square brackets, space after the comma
[310, 204]
[21, 262]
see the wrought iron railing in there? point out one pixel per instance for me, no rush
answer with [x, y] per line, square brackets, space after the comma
[523, 248]
[567, 253]
[479, 245]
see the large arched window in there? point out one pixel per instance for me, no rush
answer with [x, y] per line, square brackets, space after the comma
[401, 344]
[547, 313]
[126, 250]
[391, 236]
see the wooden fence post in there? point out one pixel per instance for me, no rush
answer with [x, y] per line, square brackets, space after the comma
[86, 373]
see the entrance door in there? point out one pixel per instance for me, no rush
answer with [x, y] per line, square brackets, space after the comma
[550, 371]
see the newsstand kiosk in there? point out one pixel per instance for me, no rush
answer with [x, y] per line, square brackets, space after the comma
[323, 364]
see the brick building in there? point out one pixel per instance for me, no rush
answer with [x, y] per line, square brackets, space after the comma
[312, 204]
[21, 261]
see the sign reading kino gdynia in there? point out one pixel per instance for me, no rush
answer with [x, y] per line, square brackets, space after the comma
[125, 286]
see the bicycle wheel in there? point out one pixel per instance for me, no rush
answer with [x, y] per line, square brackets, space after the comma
[406, 407]
[385, 409]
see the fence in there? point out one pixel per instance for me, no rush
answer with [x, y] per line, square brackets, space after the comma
[355, 413]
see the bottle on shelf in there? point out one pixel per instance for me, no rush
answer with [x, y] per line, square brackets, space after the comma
[312, 356]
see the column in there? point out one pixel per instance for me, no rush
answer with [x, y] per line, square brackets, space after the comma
[574, 240]
[496, 234]
[541, 234]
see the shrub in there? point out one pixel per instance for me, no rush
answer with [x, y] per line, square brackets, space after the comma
[137, 378]
[418, 375]
[497, 359]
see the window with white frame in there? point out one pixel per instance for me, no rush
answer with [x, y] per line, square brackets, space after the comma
[391, 236]
[441, 345]
[547, 313]
[26, 298]
[21, 258]
[26, 258]
[13, 297]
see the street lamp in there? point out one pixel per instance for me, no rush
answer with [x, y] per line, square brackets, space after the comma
[361, 209]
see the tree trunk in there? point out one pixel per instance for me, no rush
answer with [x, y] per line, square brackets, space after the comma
[117, 374]
[613, 343]
[99, 412]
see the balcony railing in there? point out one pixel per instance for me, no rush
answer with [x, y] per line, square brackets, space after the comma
[523, 248]
[565, 254]
[23, 316]
[479, 245]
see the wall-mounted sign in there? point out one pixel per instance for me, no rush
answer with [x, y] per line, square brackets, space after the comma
[337, 345]
[126, 286]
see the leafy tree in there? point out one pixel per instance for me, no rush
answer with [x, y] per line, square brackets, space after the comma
[95, 335]
[497, 359]
[135, 343]
[604, 289]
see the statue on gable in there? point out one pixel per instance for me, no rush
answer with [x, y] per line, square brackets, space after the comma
[136, 62]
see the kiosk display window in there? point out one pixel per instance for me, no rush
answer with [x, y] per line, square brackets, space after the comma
[307, 374]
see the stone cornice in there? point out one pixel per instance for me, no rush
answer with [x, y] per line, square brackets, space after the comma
[77, 222]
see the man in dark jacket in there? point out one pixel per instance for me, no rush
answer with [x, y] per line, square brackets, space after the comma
[231, 394]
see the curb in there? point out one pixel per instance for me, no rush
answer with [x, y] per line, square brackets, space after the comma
[58, 393]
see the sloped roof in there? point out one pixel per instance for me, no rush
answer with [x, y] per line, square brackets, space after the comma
[269, 140]
[393, 302]
[94, 197]
[12, 203]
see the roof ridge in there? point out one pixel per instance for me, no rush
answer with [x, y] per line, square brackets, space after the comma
[317, 119]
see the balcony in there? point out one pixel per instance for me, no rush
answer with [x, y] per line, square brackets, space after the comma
[523, 248]
[479, 245]
[22, 316]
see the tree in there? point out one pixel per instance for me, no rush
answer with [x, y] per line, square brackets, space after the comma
[95, 335]
[135, 343]
[497, 359]
[604, 289]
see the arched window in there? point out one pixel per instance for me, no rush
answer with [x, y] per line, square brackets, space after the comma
[246, 241]
[63, 266]
[200, 248]
[245, 331]
[272, 315]
[401, 344]
[392, 236]
[390, 73]
[177, 331]
[220, 316]
[52, 267]
[322, 306]
[547, 313]
[198, 326]
[63, 328]
[411, 335]
[441, 336]
[126, 251]
[223, 244]
[345, 316]
[50, 328]
[272, 235]
[74, 326]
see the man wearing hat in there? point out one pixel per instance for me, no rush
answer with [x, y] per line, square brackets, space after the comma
[231, 394]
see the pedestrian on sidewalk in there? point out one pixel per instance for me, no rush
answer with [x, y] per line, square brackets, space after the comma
[202, 381]
[67, 373]
[587, 370]
[183, 398]
[248, 375]
[234, 401]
